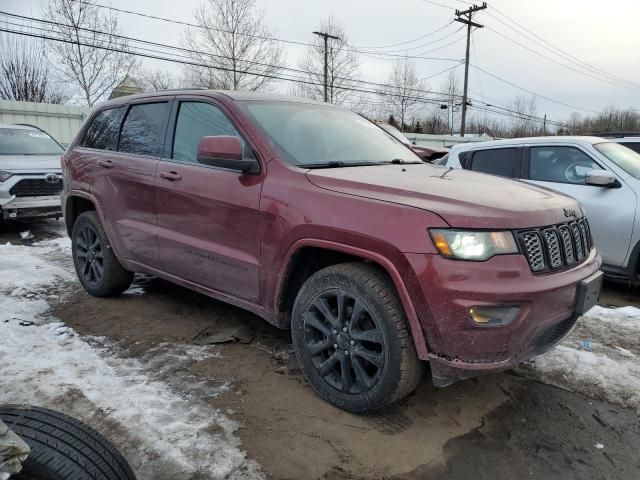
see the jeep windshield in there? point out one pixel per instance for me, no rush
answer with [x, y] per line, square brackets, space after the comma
[22, 141]
[625, 158]
[323, 136]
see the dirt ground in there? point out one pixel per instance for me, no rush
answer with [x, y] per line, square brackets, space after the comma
[495, 427]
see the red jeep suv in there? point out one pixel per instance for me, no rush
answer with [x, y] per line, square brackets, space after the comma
[315, 219]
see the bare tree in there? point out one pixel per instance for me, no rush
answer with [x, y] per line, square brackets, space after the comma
[24, 74]
[524, 125]
[155, 80]
[90, 55]
[402, 91]
[342, 65]
[233, 42]
[452, 100]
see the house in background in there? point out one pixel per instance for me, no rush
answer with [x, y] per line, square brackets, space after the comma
[128, 86]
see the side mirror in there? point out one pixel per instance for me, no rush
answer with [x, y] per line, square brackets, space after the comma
[601, 178]
[224, 152]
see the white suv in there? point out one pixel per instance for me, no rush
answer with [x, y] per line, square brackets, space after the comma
[603, 175]
[30, 173]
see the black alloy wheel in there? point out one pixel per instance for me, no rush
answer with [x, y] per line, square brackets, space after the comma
[89, 254]
[345, 341]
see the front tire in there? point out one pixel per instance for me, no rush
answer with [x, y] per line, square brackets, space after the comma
[351, 339]
[98, 269]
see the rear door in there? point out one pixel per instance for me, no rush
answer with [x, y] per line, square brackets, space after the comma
[208, 218]
[123, 146]
[610, 210]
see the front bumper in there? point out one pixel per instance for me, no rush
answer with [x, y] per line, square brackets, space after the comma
[458, 348]
[31, 207]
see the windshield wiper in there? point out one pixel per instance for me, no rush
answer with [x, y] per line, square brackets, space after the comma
[399, 161]
[332, 164]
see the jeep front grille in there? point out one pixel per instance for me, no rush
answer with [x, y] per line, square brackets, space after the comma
[33, 187]
[556, 247]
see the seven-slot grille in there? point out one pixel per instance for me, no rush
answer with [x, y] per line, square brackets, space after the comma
[557, 246]
[34, 187]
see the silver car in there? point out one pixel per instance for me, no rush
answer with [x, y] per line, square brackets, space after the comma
[30, 173]
[603, 175]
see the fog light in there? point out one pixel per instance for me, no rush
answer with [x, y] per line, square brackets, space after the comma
[490, 316]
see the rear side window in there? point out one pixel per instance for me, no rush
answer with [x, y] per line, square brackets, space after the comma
[197, 120]
[635, 146]
[501, 161]
[143, 129]
[103, 131]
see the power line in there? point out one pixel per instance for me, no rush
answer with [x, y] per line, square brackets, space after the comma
[186, 50]
[618, 84]
[553, 47]
[531, 92]
[154, 54]
[438, 4]
[431, 42]
[260, 37]
[406, 42]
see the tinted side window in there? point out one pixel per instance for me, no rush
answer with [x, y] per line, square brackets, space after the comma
[635, 146]
[560, 164]
[103, 131]
[197, 120]
[501, 161]
[143, 129]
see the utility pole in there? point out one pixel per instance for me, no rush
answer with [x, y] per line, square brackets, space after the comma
[465, 17]
[326, 38]
[544, 125]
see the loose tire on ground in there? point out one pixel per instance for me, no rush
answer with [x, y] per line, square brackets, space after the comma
[98, 269]
[351, 339]
[63, 448]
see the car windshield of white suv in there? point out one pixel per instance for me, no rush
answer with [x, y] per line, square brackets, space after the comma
[320, 136]
[20, 141]
[623, 157]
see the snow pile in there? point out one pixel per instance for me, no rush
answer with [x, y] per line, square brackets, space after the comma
[25, 272]
[155, 411]
[601, 358]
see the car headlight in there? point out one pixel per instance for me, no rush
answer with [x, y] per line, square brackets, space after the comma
[473, 245]
[4, 175]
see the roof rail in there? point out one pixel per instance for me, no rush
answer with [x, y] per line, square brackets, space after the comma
[615, 134]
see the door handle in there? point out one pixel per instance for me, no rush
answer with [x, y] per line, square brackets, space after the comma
[171, 176]
[106, 163]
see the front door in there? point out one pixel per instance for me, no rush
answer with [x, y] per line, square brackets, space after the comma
[208, 218]
[610, 210]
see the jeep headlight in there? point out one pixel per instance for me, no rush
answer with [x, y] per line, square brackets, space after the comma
[473, 245]
[4, 176]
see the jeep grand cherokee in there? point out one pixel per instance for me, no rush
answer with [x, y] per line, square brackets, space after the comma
[315, 219]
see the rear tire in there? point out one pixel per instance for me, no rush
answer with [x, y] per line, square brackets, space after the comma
[63, 448]
[351, 338]
[98, 269]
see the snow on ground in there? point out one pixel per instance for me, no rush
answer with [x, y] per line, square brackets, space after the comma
[169, 430]
[600, 358]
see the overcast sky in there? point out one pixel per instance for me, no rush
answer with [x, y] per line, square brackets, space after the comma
[605, 35]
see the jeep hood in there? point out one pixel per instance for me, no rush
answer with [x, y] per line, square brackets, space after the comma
[462, 198]
[30, 163]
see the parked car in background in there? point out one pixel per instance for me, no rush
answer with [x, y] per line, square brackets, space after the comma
[428, 154]
[603, 175]
[316, 220]
[30, 173]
